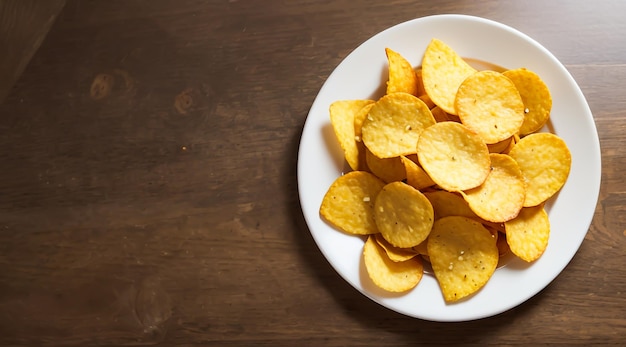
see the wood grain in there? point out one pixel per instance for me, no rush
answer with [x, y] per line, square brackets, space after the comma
[148, 184]
[23, 27]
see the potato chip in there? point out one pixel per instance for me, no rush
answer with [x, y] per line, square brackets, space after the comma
[349, 203]
[422, 248]
[502, 146]
[402, 77]
[394, 123]
[449, 147]
[387, 274]
[439, 114]
[416, 177]
[503, 246]
[395, 253]
[342, 115]
[536, 97]
[528, 234]
[420, 81]
[449, 204]
[388, 169]
[463, 255]
[427, 100]
[443, 71]
[545, 162]
[489, 104]
[359, 118]
[403, 215]
[501, 196]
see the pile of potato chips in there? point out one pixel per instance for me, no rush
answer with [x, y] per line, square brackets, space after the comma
[448, 167]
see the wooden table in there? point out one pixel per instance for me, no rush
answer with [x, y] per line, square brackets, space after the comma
[148, 180]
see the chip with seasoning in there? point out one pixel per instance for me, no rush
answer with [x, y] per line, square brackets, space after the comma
[342, 115]
[394, 123]
[463, 255]
[387, 274]
[489, 104]
[449, 148]
[359, 118]
[528, 234]
[536, 97]
[449, 204]
[403, 215]
[501, 196]
[443, 71]
[402, 77]
[349, 202]
[388, 169]
[502, 146]
[416, 177]
[545, 162]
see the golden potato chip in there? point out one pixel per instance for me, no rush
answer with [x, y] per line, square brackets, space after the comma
[501, 196]
[502, 146]
[494, 233]
[536, 97]
[359, 118]
[395, 253]
[453, 156]
[463, 255]
[342, 115]
[402, 77]
[545, 162]
[387, 274]
[528, 234]
[416, 177]
[388, 169]
[349, 202]
[403, 215]
[443, 71]
[422, 248]
[420, 82]
[503, 246]
[449, 204]
[427, 100]
[489, 104]
[393, 125]
[439, 114]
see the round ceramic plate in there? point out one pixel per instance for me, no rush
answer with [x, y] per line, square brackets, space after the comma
[362, 75]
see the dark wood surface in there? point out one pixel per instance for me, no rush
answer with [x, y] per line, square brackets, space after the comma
[148, 178]
[23, 27]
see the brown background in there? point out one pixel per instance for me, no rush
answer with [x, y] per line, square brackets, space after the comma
[159, 205]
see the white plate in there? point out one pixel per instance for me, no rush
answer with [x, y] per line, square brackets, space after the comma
[363, 73]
